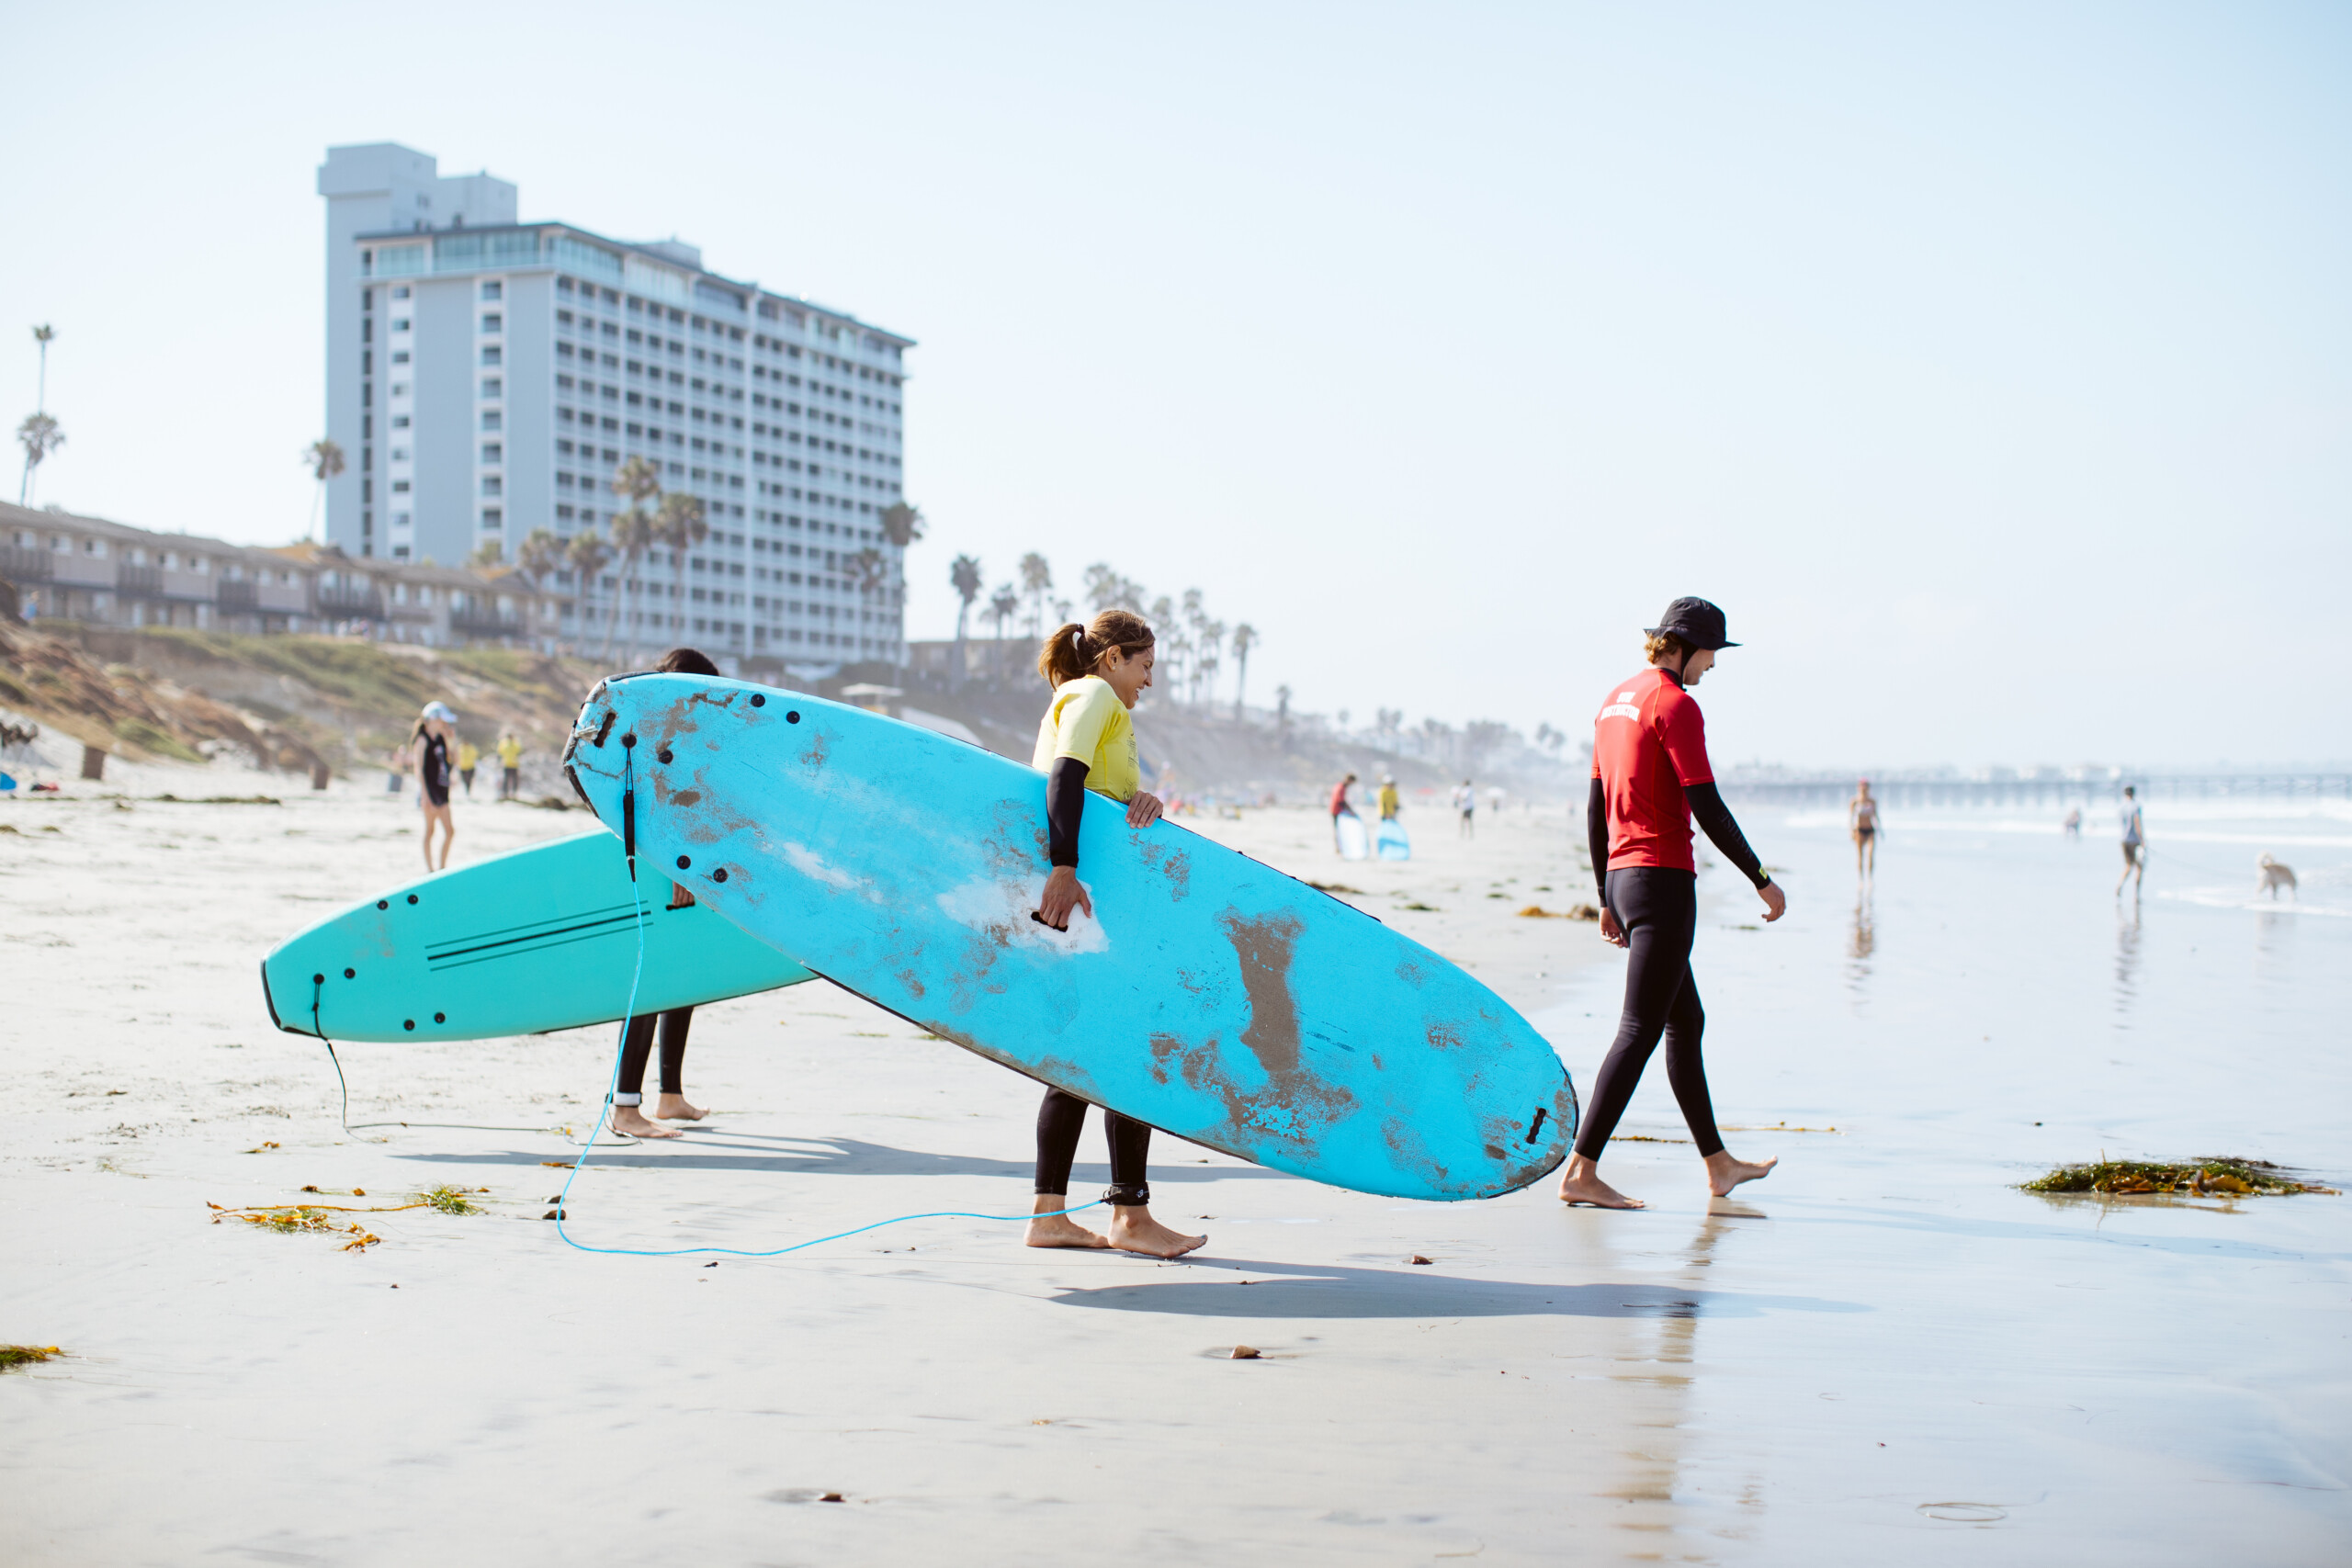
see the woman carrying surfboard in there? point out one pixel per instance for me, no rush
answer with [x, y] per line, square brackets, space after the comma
[1087, 741]
[1650, 776]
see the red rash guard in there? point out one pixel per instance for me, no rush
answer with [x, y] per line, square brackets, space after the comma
[1338, 800]
[1648, 742]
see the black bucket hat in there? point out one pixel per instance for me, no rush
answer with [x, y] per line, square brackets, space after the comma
[1696, 622]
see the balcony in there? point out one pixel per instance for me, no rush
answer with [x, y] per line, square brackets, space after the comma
[139, 581]
[348, 602]
[473, 622]
[18, 564]
[237, 597]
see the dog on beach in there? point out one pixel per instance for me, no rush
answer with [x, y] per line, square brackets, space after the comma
[2274, 876]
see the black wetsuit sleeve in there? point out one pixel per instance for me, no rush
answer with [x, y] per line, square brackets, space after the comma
[1596, 835]
[1707, 805]
[1064, 804]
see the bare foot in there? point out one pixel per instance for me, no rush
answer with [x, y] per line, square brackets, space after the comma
[630, 1120]
[673, 1108]
[1053, 1229]
[1581, 1183]
[1723, 1173]
[1134, 1230]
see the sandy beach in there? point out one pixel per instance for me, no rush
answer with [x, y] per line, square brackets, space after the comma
[1884, 1352]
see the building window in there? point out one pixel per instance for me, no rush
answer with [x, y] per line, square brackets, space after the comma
[399, 356]
[400, 324]
[400, 487]
[492, 289]
[402, 292]
[494, 452]
[400, 519]
[492, 485]
[493, 321]
[490, 419]
[492, 518]
[490, 355]
[493, 387]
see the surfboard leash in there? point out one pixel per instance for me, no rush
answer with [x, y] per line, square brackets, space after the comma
[613, 1083]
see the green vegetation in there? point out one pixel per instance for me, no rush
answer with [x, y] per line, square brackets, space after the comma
[152, 738]
[2208, 1177]
[451, 1200]
[26, 1355]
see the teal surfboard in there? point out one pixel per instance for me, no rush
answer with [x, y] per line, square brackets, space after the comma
[1390, 842]
[542, 938]
[1210, 996]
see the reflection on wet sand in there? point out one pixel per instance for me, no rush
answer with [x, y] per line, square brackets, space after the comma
[1660, 1357]
[1862, 938]
[2127, 958]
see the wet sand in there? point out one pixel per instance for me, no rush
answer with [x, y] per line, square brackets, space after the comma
[1883, 1351]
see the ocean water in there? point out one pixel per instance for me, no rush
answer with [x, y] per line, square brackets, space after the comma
[1988, 979]
[2125, 1380]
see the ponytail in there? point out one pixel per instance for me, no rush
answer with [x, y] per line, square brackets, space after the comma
[1073, 651]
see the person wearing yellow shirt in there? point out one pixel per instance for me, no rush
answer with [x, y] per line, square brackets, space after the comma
[510, 762]
[468, 757]
[1087, 741]
[1388, 801]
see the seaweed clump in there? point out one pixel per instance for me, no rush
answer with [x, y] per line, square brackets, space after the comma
[26, 1355]
[2202, 1179]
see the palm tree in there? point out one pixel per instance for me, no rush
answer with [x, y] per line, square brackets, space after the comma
[325, 461]
[41, 334]
[489, 553]
[586, 555]
[637, 481]
[1036, 582]
[679, 524]
[540, 554]
[1212, 635]
[40, 436]
[1001, 609]
[964, 576]
[902, 525]
[1245, 638]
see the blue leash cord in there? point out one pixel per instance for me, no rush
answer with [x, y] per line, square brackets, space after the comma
[612, 1087]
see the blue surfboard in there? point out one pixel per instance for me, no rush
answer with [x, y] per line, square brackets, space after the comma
[1210, 996]
[542, 938]
[1390, 842]
[1353, 843]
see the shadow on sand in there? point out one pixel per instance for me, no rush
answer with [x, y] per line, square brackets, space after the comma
[1336, 1291]
[828, 1156]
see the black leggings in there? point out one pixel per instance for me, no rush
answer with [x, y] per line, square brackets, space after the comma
[1659, 908]
[1061, 1119]
[640, 1044]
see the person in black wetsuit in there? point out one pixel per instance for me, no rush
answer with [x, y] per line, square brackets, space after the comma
[428, 748]
[629, 1095]
[1650, 777]
[1087, 743]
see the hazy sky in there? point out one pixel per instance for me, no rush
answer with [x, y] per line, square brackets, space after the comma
[1989, 364]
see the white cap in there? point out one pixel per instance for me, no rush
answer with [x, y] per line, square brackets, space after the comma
[441, 711]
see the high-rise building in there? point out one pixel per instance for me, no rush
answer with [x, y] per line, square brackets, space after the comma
[488, 379]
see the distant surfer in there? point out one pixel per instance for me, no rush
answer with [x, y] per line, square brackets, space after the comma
[1341, 807]
[428, 747]
[468, 759]
[1861, 815]
[1650, 776]
[638, 1044]
[1466, 801]
[2135, 845]
[2073, 823]
[1087, 741]
[1388, 800]
[510, 754]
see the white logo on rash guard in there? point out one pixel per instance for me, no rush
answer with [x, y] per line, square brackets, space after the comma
[1621, 710]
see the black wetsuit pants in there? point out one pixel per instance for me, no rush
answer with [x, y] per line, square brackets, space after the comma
[1061, 1119]
[640, 1046]
[1659, 908]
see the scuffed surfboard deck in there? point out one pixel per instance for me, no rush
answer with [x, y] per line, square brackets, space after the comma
[542, 938]
[1212, 997]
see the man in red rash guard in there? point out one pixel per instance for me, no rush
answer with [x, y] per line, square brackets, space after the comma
[1650, 777]
[1339, 806]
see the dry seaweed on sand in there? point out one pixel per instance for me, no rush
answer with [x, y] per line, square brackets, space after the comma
[2217, 1178]
[26, 1355]
[287, 1218]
